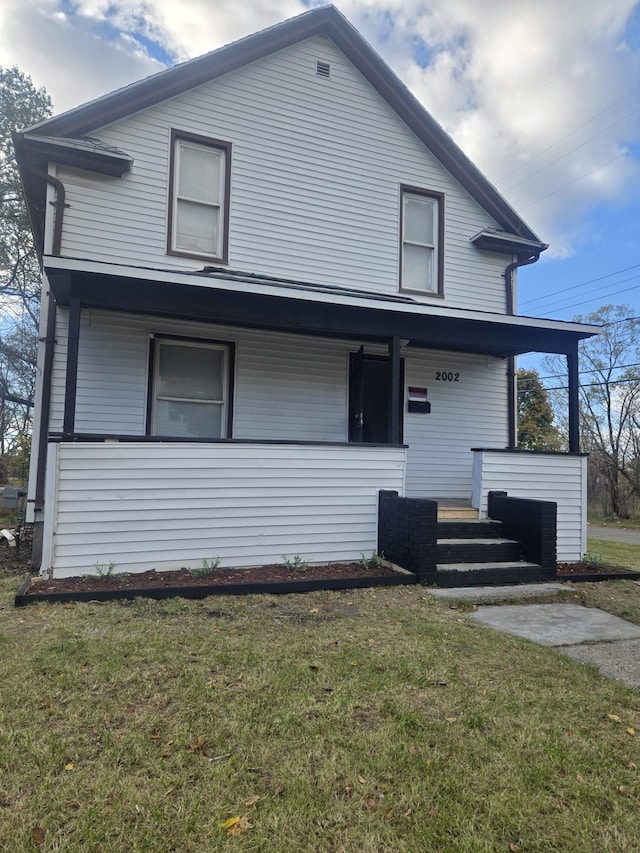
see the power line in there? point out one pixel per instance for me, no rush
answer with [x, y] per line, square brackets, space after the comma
[571, 132]
[594, 298]
[625, 320]
[566, 154]
[594, 384]
[583, 283]
[575, 181]
[602, 294]
[580, 373]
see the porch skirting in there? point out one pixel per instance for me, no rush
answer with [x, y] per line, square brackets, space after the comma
[557, 477]
[165, 505]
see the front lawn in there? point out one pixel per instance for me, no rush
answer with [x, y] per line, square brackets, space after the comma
[368, 721]
[616, 554]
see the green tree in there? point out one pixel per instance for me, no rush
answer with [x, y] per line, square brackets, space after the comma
[21, 105]
[536, 430]
[609, 406]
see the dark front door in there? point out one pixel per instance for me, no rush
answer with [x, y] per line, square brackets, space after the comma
[370, 397]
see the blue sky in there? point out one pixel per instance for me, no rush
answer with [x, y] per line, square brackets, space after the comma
[543, 95]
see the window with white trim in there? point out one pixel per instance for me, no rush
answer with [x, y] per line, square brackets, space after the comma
[421, 244]
[199, 197]
[190, 389]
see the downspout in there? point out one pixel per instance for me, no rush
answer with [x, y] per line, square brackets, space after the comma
[512, 393]
[49, 341]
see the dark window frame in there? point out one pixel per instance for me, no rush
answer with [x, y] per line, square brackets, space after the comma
[206, 142]
[151, 377]
[438, 197]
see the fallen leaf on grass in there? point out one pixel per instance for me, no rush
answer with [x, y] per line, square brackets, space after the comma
[37, 833]
[231, 822]
[513, 847]
[240, 826]
[614, 717]
[361, 779]
[252, 800]
[631, 730]
[371, 805]
[197, 743]
[451, 719]
[389, 814]
[69, 766]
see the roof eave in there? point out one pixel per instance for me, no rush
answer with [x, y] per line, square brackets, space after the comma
[40, 151]
[508, 244]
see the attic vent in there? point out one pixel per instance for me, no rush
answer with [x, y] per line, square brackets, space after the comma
[323, 69]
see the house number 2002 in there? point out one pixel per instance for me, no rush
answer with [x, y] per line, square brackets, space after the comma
[447, 376]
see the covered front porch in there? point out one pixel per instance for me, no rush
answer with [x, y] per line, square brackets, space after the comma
[295, 472]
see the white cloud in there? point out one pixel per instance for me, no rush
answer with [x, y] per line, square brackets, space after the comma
[507, 80]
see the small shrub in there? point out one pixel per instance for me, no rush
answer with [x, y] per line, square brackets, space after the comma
[593, 560]
[105, 570]
[208, 567]
[295, 563]
[375, 561]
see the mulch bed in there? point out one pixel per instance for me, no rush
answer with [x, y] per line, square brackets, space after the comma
[276, 578]
[583, 572]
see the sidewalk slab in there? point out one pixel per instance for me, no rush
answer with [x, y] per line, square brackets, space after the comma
[619, 660]
[557, 624]
[508, 592]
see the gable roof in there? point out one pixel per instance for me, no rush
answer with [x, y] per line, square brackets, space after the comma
[326, 21]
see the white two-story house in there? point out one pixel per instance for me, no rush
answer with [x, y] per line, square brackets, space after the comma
[273, 286]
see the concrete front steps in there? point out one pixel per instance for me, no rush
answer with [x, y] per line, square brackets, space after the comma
[474, 552]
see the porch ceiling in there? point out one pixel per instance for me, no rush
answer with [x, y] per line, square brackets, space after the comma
[297, 309]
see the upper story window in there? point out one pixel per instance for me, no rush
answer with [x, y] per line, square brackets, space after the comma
[199, 197]
[422, 241]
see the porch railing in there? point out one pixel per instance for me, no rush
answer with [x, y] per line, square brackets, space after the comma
[173, 504]
[557, 477]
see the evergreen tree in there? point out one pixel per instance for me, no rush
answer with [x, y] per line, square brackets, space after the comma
[536, 430]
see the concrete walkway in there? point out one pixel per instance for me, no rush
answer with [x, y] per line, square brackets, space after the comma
[585, 634]
[614, 534]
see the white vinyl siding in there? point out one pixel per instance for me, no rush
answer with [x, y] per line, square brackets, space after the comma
[292, 387]
[539, 476]
[286, 386]
[315, 191]
[166, 506]
[439, 458]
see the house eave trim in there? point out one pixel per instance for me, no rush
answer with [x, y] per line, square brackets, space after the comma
[303, 311]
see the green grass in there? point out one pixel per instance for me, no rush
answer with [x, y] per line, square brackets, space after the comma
[7, 518]
[622, 598]
[367, 721]
[625, 523]
[616, 554]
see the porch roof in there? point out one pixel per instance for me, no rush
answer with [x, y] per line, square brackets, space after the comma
[242, 299]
